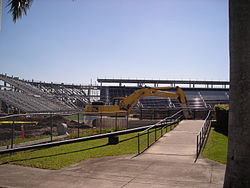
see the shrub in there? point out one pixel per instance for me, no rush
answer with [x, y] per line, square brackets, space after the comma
[222, 111]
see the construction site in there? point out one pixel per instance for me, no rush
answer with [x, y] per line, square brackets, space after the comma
[55, 125]
[24, 96]
[82, 107]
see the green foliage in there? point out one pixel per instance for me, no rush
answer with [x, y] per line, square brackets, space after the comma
[221, 107]
[222, 112]
[216, 147]
[18, 8]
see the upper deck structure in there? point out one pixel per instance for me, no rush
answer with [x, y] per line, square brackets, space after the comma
[161, 83]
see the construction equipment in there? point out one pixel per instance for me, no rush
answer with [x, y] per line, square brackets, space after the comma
[123, 105]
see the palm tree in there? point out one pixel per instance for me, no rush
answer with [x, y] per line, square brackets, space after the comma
[238, 160]
[18, 8]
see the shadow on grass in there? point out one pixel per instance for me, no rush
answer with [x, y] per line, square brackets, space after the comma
[127, 139]
[54, 155]
[219, 129]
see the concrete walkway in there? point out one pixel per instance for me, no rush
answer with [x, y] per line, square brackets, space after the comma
[169, 163]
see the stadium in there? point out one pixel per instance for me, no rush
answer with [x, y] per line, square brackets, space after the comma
[24, 96]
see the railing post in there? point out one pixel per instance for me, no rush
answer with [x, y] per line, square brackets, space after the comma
[155, 133]
[12, 134]
[197, 146]
[127, 120]
[78, 128]
[203, 135]
[148, 137]
[200, 140]
[138, 143]
[116, 121]
[51, 127]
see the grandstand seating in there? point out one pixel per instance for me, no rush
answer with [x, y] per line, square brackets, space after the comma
[46, 97]
[196, 98]
[68, 95]
[28, 98]
[215, 97]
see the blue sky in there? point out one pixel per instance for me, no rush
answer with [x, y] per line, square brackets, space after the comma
[76, 41]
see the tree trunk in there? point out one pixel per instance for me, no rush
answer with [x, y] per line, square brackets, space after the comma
[238, 160]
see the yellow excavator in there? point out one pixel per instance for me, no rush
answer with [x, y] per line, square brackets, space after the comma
[122, 106]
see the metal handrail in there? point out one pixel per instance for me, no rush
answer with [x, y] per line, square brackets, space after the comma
[51, 114]
[162, 121]
[202, 135]
[58, 143]
[161, 125]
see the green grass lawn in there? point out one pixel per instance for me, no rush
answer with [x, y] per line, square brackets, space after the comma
[93, 131]
[216, 147]
[65, 155]
[21, 140]
[74, 117]
[83, 133]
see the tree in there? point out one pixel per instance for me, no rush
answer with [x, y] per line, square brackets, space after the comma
[18, 8]
[238, 160]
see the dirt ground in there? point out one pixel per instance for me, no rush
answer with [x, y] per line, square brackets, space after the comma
[32, 130]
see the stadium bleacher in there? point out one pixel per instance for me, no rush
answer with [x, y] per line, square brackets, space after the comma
[29, 96]
[196, 97]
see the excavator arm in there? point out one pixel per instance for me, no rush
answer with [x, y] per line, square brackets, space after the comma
[124, 105]
[127, 103]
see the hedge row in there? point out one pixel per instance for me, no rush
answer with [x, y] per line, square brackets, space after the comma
[222, 111]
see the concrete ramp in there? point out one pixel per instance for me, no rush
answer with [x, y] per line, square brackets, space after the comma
[171, 161]
[177, 145]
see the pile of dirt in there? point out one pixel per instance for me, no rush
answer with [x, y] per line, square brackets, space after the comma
[57, 120]
[35, 130]
[46, 120]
